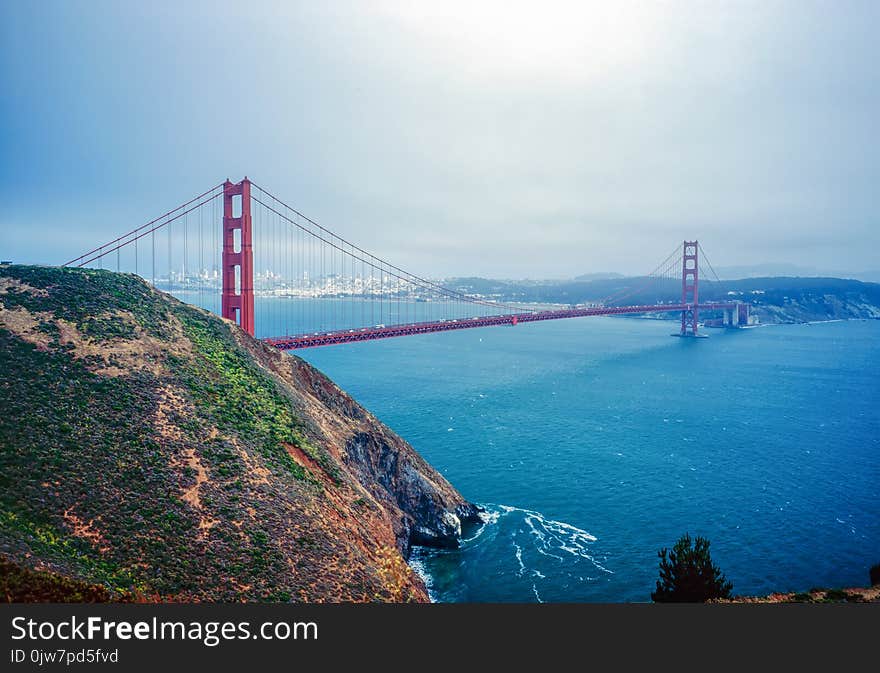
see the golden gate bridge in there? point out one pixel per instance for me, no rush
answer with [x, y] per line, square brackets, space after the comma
[237, 243]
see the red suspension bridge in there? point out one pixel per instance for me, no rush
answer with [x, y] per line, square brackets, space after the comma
[240, 251]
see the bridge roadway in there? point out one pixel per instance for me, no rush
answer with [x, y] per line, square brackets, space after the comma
[386, 332]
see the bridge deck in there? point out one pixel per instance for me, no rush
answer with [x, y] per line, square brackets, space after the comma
[382, 332]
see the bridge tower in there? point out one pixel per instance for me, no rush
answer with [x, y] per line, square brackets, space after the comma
[237, 302]
[690, 288]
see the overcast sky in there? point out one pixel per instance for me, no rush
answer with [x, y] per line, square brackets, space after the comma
[455, 138]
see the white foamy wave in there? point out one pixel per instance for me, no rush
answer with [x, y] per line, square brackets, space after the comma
[487, 518]
[543, 553]
[417, 563]
[537, 595]
[518, 554]
[555, 539]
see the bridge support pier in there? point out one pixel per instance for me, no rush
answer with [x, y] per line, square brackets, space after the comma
[237, 300]
[730, 317]
[690, 293]
[737, 316]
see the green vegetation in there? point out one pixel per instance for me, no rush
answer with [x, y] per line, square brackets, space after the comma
[835, 595]
[688, 575]
[22, 585]
[85, 296]
[147, 449]
[817, 595]
[61, 443]
[231, 391]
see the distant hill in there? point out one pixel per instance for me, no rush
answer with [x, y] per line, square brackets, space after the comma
[780, 300]
[792, 270]
[476, 285]
[151, 449]
[774, 299]
[766, 270]
[598, 276]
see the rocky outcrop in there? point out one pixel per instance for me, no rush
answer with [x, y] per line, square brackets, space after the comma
[433, 510]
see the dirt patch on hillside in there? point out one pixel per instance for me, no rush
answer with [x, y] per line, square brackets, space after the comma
[26, 326]
[171, 403]
[108, 357]
[86, 531]
[7, 283]
[143, 352]
[192, 495]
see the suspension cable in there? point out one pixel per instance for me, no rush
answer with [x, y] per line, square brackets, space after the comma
[414, 279]
[706, 257]
[652, 277]
[100, 252]
[381, 265]
[143, 226]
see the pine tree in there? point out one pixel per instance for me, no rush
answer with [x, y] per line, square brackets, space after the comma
[687, 574]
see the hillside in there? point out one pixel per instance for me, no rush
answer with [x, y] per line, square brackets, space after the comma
[151, 449]
[815, 595]
[795, 300]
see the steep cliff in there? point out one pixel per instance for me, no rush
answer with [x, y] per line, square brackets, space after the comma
[151, 448]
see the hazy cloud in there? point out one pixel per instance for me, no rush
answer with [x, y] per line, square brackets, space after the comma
[495, 138]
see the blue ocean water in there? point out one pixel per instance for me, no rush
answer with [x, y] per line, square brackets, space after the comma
[594, 442]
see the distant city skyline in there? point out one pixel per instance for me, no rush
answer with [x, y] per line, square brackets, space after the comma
[494, 139]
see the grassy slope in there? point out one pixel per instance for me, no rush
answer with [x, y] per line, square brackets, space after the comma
[144, 448]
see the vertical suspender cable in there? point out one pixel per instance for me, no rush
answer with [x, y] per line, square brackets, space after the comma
[170, 271]
[201, 244]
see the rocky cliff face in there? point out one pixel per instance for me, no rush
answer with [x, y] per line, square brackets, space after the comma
[384, 464]
[151, 448]
[816, 308]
